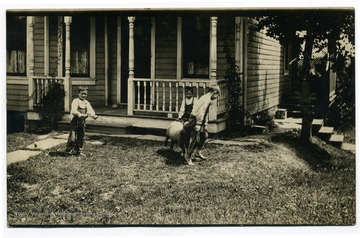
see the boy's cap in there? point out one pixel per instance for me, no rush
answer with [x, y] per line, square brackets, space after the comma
[82, 89]
[214, 88]
[188, 88]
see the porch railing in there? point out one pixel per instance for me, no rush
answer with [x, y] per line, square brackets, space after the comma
[39, 86]
[166, 95]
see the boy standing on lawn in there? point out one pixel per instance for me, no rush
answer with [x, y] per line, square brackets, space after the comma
[197, 126]
[80, 110]
[187, 105]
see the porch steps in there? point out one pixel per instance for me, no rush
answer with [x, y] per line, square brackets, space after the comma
[99, 127]
[325, 133]
[295, 123]
[336, 140]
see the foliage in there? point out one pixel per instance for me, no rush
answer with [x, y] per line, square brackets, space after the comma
[237, 114]
[265, 118]
[342, 114]
[287, 25]
[51, 107]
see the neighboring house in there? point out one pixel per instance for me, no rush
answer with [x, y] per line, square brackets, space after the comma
[136, 64]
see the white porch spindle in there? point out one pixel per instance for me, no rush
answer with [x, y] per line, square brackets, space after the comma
[183, 85]
[157, 96]
[197, 90]
[163, 106]
[151, 95]
[170, 97]
[131, 93]
[38, 91]
[138, 95]
[145, 96]
[177, 97]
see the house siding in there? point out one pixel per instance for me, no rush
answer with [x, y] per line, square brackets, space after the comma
[17, 97]
[166, 49]
[266, 83]
[166, 59]
[53, 45]
[113, 71]
[97, 92]
[39, 46]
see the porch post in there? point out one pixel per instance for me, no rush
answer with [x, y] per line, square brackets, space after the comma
[67, 81]
[131, 95]
[213, 64]
[118, 62]
[30, 56]
[107, 94]
[245, 61]
[46, 45]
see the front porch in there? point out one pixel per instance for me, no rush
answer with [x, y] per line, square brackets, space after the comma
[152, 106]
[129, 96]
[116, 121]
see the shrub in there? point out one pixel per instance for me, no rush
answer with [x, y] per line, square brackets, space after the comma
[51, 107]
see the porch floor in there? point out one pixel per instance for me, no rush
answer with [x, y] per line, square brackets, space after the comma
[121, 110]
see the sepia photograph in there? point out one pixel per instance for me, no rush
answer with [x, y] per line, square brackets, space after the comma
[180, 117]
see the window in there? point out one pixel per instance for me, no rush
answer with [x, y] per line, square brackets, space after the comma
[196, 47]
[80, 46]
[16, 45]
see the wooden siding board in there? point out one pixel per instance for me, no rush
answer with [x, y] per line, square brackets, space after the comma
[165, 51]
[266, 82]
[17, 97]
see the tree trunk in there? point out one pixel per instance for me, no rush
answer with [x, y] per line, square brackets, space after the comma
[307, 117]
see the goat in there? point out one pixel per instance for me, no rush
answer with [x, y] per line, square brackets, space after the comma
[176, 133]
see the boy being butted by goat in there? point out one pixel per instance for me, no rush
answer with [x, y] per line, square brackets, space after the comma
[191, 136]
[175, 131]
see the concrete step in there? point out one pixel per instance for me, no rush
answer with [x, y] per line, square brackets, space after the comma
[325, 133]
[348, 147]
[326, 130]
[336, 140]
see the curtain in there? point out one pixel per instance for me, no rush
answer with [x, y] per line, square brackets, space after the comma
[16, 62]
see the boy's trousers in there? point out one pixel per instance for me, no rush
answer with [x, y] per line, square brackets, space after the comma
[75, 141]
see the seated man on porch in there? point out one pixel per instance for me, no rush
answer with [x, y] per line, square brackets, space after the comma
[187, 105]
[196, 128]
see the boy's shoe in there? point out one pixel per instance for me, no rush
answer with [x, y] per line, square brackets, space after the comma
[200, 155]
[188, 159]
[71, 152]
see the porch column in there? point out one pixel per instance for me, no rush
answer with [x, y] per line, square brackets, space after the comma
[213, 64]
[31, 62]
[67, 81]
[245, 60]
[131, 95]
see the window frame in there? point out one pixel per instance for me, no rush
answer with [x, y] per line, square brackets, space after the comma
[91, 79]
[25, 30]
[182, 62]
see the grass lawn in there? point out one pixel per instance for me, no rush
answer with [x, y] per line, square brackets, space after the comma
[137, 182]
